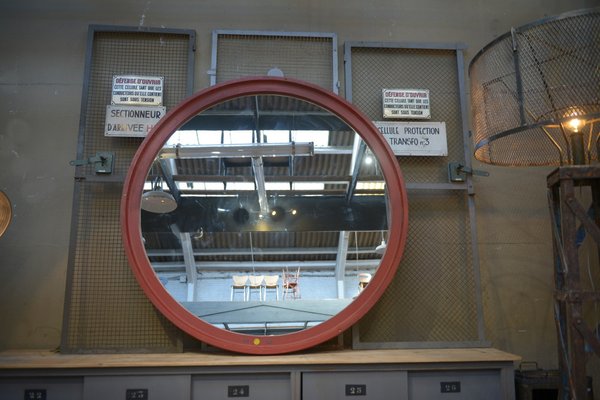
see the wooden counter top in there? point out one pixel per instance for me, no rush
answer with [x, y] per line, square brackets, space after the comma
[50, 360]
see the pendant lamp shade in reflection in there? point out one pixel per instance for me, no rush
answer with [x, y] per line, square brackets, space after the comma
[380, 249]
[158, 201]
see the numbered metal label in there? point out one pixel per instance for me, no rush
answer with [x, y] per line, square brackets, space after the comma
[238, 391]
[356, 390]
[136, 394]
[450, 387]
[35, 394]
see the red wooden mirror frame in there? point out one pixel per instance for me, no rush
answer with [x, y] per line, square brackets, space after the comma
[256, 344]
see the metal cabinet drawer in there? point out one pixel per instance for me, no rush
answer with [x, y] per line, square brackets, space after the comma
[63, 388]
[137, 387]
[383, 385]
[471, 385]
[242, 386]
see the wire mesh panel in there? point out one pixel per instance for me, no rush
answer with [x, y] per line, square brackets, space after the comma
[374, 69]
[108, 309]
[308, 57]
[434, 300]
[130, 53]
[105, 307]
[431, 298]
[530, 85]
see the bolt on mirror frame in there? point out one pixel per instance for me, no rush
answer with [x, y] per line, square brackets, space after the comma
[258, 344]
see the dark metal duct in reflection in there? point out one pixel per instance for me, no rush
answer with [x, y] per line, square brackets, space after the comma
[249, 150]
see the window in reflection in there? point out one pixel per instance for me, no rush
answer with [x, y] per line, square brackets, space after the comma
[277, 136]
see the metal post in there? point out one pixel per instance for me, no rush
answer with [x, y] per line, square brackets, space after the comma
[577, 148]
[572, 331]
[573, 306]
[559, 304]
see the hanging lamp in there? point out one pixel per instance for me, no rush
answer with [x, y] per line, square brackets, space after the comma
[380, 249]
[157, 200]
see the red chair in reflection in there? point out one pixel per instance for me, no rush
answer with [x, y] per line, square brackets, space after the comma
[291, 287]
[363, 280]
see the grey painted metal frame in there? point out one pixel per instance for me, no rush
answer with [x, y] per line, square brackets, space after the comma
[79, 176]
[215, 40]
[467, 186]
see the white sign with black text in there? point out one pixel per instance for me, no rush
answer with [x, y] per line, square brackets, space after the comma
[131, 121]
[137, 90]
[406, 103]
[415, 138]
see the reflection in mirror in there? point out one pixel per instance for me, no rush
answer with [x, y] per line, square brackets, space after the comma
[279, 218]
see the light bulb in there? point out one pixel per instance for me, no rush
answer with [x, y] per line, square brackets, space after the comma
[575, 124]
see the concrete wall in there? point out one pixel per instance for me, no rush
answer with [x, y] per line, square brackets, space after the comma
[42, 48]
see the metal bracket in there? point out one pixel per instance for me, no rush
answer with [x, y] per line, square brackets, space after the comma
[103, 162]
[458, 172]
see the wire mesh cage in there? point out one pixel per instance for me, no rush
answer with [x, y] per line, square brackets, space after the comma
[535, 93]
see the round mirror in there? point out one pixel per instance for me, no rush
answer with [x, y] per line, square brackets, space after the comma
[264, 215]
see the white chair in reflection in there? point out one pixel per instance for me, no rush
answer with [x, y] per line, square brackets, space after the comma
[239, 286]
[363, 280]
[271, 284]
[291, 284]
[255, 283]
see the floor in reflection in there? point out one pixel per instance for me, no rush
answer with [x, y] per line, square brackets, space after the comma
[216, 286]
[266, 317]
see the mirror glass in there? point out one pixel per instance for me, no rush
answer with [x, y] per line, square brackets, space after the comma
[264, 215]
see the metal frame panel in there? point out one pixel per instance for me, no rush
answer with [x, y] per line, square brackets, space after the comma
[467, 187]
[348, 46]
[92, 30]
[325, 35]
[470, 190]
[80, 174]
